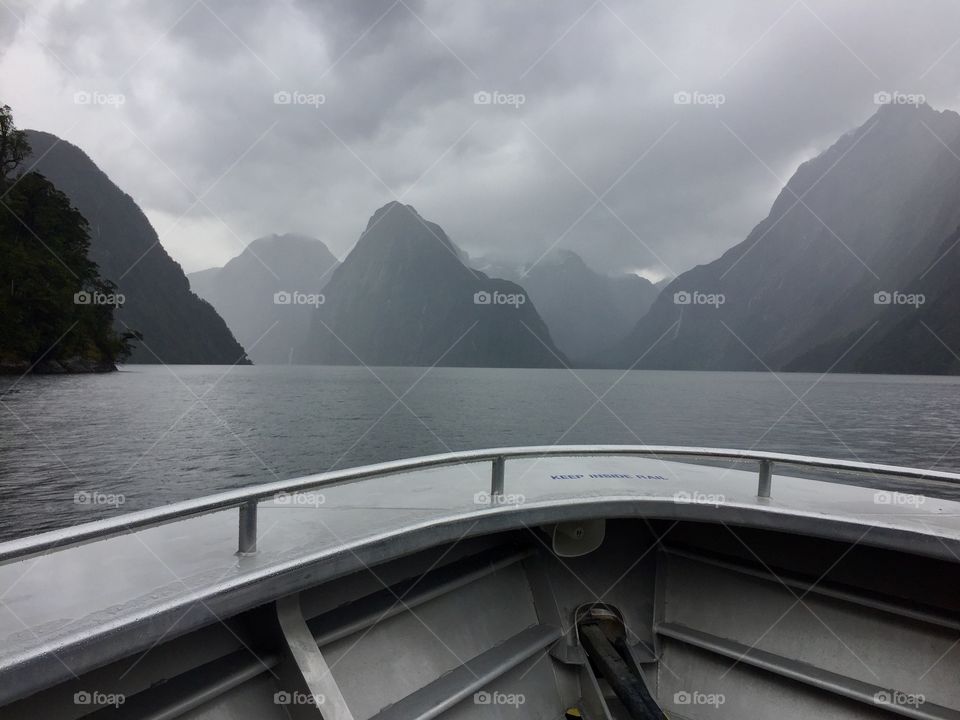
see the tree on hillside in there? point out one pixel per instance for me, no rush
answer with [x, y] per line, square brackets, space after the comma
[13, 145]
[53, 303]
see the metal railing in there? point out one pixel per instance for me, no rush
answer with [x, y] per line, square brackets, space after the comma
[248, 499]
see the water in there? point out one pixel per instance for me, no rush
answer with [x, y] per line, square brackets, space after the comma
[152, 435]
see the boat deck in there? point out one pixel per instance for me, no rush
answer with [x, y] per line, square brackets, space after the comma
[79, 604]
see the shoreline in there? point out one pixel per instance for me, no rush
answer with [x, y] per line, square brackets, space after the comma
[72, 366]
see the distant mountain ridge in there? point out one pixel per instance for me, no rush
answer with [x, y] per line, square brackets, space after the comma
[403, 296]
[250, 290]
[867, 216]
[177, 326]
[815, 286]
[588, 313]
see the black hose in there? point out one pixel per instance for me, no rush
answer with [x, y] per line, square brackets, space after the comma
[628, 684]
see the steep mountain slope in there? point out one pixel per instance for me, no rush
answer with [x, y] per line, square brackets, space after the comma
[917, 329]
[251, 292]
[44, 272]
[866, 216]
[587, 313]
[177, 326]
[403, 296]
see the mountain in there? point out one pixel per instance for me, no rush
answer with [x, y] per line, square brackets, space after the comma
[56, 312]
[917, 332]
[177, 326]
[250, 290]
[867, 216]
[587, 313]
[403, 296]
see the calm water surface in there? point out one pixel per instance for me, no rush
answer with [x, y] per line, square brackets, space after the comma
[155, 435]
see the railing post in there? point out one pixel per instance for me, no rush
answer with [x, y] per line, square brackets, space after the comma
[496, 481]
[766, 474]
[247, 544]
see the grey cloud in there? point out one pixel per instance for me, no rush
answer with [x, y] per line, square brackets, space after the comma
[399, 116]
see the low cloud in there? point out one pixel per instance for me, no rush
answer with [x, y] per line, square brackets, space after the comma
[600, 157]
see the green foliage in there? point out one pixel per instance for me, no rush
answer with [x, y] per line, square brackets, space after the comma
[179, 327]
[13, 144]
[46, 277]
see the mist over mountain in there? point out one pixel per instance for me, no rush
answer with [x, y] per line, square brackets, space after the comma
[403, 296]
[262, 293]
[177, 326]
[587, 312]
[873, 216]
[867, 216]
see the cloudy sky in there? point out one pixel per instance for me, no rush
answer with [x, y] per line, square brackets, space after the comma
[231, 120]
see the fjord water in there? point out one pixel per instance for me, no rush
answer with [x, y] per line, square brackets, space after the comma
[151, 435]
